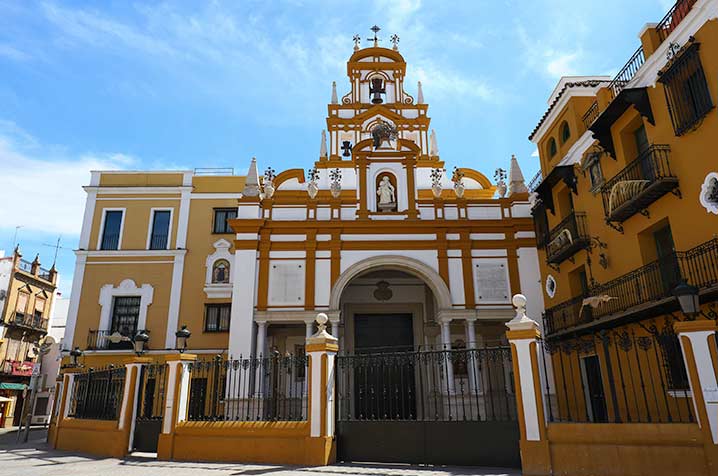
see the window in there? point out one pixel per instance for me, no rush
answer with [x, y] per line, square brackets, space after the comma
[595, 174]
[686, 90]
[217, 317]
[22, 300]
[673, 362]
[552, 150]
[39, 307]
[565, 132]
[221, 215]
[159, 236]
[125, 313]
[111, 230]
[220, 272]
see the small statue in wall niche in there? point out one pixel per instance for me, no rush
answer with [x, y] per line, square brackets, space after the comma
[500, 177]
[383, 132]
[387, 196]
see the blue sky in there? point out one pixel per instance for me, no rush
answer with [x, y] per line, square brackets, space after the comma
[152, 85]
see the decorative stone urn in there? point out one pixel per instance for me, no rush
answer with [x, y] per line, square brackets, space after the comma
[335, 176]
[459, 189]
[436, 190]
[336, 189]
[312, 190]
[268, 189]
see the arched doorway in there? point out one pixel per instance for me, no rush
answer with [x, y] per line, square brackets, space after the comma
[402, 396]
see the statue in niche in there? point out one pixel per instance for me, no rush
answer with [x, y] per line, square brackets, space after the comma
[387, 196]
[383, 132]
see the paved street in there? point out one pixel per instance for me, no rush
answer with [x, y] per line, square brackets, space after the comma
[35, 458]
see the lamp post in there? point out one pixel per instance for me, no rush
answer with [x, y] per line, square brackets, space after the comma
[182, 335]
[139, 342]
[75, 354]
[688, 299]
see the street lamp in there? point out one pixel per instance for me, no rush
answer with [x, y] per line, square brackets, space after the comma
[139, 342]
[182, 335]
[75, 354]
[688, 299]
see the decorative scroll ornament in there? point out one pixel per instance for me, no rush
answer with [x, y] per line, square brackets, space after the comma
[335, 178]
[550, 286]
[500, 177]
[312, 187]
[382, 291]
[436, 176]
[269, 176]
[709, 193]
[458, 178]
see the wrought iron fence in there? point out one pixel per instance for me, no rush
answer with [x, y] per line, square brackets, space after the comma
[567, 237]
[653, 282]
[620, 376]
[97, 394]
[427, 385]
[591, 115]
[535, 181]
[270, 388]
[152, 392]
[111, 340]
[674, 16]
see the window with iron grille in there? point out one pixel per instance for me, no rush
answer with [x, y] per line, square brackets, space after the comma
[125, 314]
[686, 90]
[217, 317]
[221, 215]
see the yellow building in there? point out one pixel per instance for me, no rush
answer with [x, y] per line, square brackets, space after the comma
[27, 292]
[626, 215]
[400, 255]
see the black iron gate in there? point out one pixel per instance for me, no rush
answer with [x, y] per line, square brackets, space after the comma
[428, 406]
[150, 407]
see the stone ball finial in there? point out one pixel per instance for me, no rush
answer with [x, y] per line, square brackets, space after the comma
[519, 300]
[322, 318]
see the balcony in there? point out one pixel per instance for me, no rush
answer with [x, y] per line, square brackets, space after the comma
[639, 184]
[644, 292]
[673, 18]
[28, 321]
[591, 115]
[535, 181]
[111, 340]
[567, 238]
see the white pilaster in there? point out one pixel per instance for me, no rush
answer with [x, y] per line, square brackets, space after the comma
[70, 384]
[175, 297]
[472, 356]
[309, 328]
[241, 327]
[261, 339]
[446, 346]
[706, 385]
[77, 279]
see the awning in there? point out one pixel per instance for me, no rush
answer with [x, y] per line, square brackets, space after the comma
[12, 386]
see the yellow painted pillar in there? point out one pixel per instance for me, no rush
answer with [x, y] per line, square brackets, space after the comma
[322, 349]
[523, 335]
[698, 344]
[176, 401]
[63, 402]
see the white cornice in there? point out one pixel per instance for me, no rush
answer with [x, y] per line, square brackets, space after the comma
[135, 190]
[559, 107]
[128, 253]
[574, 154]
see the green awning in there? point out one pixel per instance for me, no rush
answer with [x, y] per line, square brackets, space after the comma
[12, 386]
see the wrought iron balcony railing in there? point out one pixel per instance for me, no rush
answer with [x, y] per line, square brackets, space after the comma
[104, 340]
[535, 181]
[637, 292]
[627, 73]
[29, 321]
[673, 18]
[567, 238]
[640, 183]
[591, 115]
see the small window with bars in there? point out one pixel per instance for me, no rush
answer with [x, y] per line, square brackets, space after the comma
[125, 314]
[217, 317]
[686, 89]
[221, 215]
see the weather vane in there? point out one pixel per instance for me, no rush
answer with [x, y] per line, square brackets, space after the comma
[357, 40]
[395, 40]
[376, 40]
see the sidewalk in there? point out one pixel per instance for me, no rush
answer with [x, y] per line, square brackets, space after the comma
[34, 457]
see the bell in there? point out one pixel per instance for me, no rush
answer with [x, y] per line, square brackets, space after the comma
[377, 89]
[347, 148]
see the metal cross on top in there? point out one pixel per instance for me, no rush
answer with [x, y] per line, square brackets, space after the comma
[376, 40]
[395, 40]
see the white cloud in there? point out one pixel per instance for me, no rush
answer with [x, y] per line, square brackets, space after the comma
[561, 63]
[41, 187]
[535, 153]
[13, 53]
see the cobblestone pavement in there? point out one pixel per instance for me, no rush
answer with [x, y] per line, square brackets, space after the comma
[36, 459]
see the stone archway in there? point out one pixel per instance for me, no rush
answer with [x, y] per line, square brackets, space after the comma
[403, 263]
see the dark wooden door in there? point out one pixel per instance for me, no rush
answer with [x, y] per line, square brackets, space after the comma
[376, 333]
[667, 262]
[594, 389]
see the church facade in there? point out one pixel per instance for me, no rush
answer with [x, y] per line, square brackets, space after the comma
[375, 233]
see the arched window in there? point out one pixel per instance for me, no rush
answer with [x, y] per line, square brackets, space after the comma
[220, 272]
[565, 132]
[552, 147]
